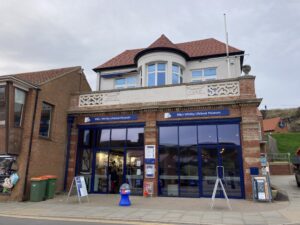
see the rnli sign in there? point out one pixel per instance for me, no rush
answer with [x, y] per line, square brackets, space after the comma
[206, 113]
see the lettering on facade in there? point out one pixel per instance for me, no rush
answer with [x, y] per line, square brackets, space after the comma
[196, 91]
[110, 118]
[223, 112]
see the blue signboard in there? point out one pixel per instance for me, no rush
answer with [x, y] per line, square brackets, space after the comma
[223, 112]
[110, 118]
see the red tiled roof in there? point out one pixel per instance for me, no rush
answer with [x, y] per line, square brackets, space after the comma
[270, 124]
[40, 77]
[194, 49]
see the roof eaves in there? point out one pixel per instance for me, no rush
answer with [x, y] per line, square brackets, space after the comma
[61, 75]
[22, 82]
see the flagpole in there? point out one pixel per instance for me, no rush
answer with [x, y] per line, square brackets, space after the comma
[227, 49]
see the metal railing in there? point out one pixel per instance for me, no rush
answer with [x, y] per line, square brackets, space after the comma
[279, 157]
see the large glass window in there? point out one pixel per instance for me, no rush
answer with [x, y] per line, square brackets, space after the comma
[2, 106]
[207, 134]
[168, 136]
[176, 74]
[46, 117]
[204, 74]
[118, 137]
[156, 74]
[19, 107]
[104, 138]
[135, 137]
[126, 82]
[229, 134]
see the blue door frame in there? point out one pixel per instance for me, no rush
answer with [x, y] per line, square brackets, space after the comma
[217, 146]
[95, 149]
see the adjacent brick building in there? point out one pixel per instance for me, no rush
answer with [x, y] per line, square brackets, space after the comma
[33, 124]
[187, 101]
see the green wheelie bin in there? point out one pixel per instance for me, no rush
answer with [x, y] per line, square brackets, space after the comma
[37, 189]
[50, 186]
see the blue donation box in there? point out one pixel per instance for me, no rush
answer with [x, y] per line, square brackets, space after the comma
[124, 192]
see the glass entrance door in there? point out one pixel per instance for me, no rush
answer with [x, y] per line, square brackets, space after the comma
[135, 170]
[116, 170]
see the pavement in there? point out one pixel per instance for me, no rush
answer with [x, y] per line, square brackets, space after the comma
[166, 209]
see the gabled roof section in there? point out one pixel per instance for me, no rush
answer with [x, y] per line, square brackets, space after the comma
[191, 50]
[162, 42]
[42, 77]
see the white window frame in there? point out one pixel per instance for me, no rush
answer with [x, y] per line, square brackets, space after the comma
[156, 71]
[180, 74]
[126, 85]
[203, 77]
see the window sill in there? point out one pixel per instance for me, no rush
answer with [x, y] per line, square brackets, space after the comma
[45, 138]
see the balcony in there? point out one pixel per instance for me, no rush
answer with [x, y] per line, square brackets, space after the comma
[211, 91]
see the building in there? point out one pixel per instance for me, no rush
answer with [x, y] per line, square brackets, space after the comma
[33, 125]
[275, 125]
[163, 118]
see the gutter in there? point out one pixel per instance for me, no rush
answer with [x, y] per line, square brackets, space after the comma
[30, 145]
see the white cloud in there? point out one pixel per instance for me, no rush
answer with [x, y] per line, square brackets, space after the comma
[49, 34]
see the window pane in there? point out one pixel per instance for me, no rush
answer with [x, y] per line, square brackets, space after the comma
[18, 107]
[118, 137]
[207, 134]
[151, 79]
[161, 67]
[131, 81]
[161, 79]
[2, 105]
[104, 137]
[45, 120]
[189, 171]
[175, 78]
[135, 137]
[229, 133]
[210, 72]
[175, 68]
[151, 68]
[120, 81]
[168, 136]
[168, 178]
[196, 74]
[187, 135]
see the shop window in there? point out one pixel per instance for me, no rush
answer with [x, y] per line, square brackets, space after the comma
[168, 136]
[104, 139]
[156, 74]
[229, 134]
[204, 74]
[187, 135]
[19, 107]
[2, 106]
[126, 82]
[46, 119]
[207, 134]
[176, 74]
[118, 137]
[135, 137]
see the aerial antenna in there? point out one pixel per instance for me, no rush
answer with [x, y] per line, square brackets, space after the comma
[227, 49]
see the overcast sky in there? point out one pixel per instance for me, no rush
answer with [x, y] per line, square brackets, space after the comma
[47, 34]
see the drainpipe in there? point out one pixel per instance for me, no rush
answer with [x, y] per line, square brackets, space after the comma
[70, 121]
[30, 144]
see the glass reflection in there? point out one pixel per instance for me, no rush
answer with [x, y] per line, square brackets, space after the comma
[135, 137]
[209, 158]
[168, 157]
[207, 134]
[104, 137]
[187, 135]
[118, 137]
[168, 136]
[229, 134]
[189, 172]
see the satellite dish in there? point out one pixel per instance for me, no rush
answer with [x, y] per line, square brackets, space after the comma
[246, 69]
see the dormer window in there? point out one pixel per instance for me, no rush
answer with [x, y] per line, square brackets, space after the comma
[176, 74]
[156, 74]
[204, 74]
[125, 82]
